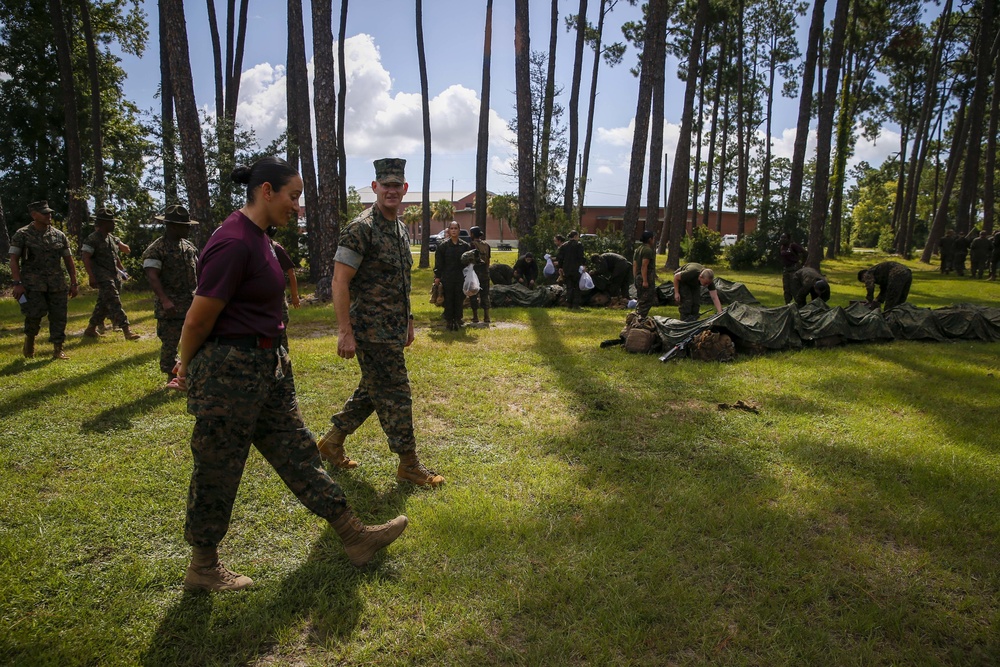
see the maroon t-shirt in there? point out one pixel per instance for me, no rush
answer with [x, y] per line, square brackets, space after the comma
[238, 265]
[284, 260]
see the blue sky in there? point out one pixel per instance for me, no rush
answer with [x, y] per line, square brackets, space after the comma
[383, 98]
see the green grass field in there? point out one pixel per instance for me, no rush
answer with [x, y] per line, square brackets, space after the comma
[600, 508]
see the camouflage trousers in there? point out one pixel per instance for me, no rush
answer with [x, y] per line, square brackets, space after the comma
[241, 396]
[169, 333]
[109, 304]
[482, 299]
[41, 304]
[385, 390]
[647, 297]
[690, 305]
[788, 291]
[897, 287]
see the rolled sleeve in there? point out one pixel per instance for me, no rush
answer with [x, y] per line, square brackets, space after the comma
[87, 248]
[351, 258]
[14, 250]
[150, 263]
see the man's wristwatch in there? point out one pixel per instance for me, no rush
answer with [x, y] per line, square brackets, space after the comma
[16, 283]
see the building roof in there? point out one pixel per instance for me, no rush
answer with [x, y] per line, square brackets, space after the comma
[416, 197]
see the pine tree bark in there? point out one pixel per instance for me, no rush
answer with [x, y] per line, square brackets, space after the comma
[303, 122]
[522, 78]
[425, 105]
[213, 31]
[483, 142]
[167, 127]
[656, 19]
[676, 215]
[574, 111]
[805, 114]
[959, 136]
[96, 128]
[589, 133]
[342, 107]
[74, 157]
[325, 98]
[824, 136]
[653, 183]
[717, 98]
[989, 182]
[542, 175]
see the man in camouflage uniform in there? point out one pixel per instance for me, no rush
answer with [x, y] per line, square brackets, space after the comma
[39, 283]
[644, 267]
[171, 265]
[792, 255]
[960, 250]
[570, 259]
[808, 282]
[371, 296]
[979, 254]
[893, 280]
[995, 255]
[612, 272]
[946, 248]
[688, 281]
[482, 268]
[104, 269]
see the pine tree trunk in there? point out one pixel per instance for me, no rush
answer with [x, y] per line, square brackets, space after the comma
[522, 78]
[805, 112]
[589, 133]
[652, 221]
[426, 106]
[959, 135]
[342, 108]
[325, 97]
[220, 83]
[722, 160]
[989, 194]
[188, 122]
[698, 133]
[542, 175]
[96, 129]
[74, 157]
[717, 98]
[676, 208]
[303, 119]
[167, 128]
[483, 143]
[574, 111]
[742, 138]
[656, 18]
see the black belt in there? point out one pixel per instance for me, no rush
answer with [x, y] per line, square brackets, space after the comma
[248, 342]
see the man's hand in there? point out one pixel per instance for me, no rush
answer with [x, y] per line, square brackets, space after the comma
[92, 282]
[409, 334]
[346, 345]
[19, 291]
[295, 301]
[677, 297]
[73, 291]
[169, 307]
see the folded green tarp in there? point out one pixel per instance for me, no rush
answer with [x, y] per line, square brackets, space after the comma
[728, 293]
[545, 296]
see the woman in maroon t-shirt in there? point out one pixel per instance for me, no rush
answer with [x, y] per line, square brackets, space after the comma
[240, 385]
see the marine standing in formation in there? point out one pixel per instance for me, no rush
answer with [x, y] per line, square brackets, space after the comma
[688, 281]
[171, 266]
[371, 297]
[482, 269]
[808, 282]
[960, 250]
[644, 268]
[946, 248]
[39, 283]
[104, 269]
[240, 385]
[893, 281]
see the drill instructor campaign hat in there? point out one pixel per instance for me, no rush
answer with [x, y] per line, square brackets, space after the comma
[176, 214]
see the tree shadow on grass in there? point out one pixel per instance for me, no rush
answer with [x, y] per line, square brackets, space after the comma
[26, 400]
[121, 416]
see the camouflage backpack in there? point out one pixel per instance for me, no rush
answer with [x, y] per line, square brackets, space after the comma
[640, 334]
[712, 346]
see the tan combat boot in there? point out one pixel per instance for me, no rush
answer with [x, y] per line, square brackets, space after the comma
[92, 332]
[29, 347]
[361, 542]
[207, 573]
[129, 334]
[331, 448]
[57, 351]
[412, 470]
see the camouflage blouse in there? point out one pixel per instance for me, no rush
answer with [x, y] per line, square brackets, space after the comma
[41, 254]
[379, 249]
[104, 253]
[177, 263]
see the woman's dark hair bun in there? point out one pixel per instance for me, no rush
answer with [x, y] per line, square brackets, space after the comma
[241, 175]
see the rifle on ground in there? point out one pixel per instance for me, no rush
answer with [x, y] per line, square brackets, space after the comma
[681, 345]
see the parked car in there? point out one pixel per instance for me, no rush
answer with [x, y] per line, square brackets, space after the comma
[728, 239]
[440, 237]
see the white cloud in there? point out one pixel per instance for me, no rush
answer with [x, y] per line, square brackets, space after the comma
[605, 170]
[379, 120]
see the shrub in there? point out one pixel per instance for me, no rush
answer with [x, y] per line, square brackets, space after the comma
[743, 254]
[703, 246]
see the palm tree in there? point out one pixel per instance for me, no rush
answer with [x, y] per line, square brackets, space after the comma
[425, 259]
[503, 208]
[443, 212]
[413, 215]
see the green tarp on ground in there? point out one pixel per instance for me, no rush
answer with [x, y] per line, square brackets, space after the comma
[546, 296]
[788, 327]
